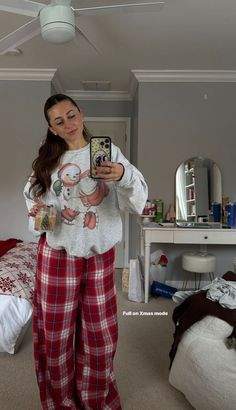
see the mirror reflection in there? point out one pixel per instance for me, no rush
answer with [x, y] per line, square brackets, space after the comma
[198, 183]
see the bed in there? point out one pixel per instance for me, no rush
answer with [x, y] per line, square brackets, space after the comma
[203, 353]
[17, 278]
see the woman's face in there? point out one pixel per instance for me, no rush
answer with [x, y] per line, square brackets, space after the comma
[66, 121]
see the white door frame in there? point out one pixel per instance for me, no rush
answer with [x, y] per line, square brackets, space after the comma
[127, 122]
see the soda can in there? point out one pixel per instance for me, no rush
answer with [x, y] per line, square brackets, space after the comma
[231, 215]
[234, 212]
[216, 210]
[159, 210]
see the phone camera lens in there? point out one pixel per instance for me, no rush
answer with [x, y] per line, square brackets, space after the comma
[102, 143]
[106, 145]
[107, 140]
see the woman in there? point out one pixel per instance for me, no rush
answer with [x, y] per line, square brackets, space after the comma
[75, 312]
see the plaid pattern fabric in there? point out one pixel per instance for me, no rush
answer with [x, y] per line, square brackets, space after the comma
[75, 330]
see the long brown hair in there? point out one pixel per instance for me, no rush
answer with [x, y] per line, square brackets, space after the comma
[51, 150]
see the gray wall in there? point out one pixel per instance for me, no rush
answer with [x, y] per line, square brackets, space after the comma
[175, 122]
[22, 129]
[105, 108]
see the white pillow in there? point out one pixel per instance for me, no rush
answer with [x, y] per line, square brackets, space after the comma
[203, 368]
[15, 315]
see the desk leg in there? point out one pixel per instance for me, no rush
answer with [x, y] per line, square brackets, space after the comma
[141, 243]
[147, 247]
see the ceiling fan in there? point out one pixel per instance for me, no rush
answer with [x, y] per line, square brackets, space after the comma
[56, 21]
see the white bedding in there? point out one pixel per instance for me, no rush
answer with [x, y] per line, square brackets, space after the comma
[17, 276]
[204, 370]
[15, 315]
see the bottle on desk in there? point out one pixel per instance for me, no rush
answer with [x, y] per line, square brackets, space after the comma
[159, 210]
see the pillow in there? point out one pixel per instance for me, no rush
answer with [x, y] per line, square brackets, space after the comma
[203, 368]
[15, 318]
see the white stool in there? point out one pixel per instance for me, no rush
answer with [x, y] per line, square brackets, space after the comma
[199, 263]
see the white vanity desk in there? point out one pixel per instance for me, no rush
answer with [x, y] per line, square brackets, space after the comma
[154, 233]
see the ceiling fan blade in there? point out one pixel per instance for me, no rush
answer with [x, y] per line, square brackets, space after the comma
[19, 36]
[26, 8]
[120, 8]
[82, 33]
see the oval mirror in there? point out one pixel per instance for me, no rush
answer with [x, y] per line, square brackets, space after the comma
[198, 183]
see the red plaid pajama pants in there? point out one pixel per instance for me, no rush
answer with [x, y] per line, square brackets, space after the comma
[75, 330]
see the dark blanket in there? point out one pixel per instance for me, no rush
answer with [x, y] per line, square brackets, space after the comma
[7, 245]
[195, 308]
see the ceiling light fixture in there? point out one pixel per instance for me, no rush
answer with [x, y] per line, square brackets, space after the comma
[57, 23]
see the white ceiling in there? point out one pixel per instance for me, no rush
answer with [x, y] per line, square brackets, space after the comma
[184, 35]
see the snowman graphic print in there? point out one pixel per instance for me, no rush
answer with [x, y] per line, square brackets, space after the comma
[79, 194]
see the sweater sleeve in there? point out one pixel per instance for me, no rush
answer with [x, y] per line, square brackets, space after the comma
[30, 203]
[132, 190]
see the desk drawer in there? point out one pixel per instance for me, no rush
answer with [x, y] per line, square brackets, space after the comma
[160, 235]
[207, 236]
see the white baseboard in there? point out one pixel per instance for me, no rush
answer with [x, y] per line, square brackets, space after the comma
[190, 285]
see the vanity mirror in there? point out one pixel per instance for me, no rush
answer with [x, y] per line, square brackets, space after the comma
[198, 183]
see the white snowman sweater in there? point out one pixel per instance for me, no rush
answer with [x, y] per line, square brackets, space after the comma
[89, 220]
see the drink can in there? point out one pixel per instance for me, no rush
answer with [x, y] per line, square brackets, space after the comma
[231, 215]
[159, 210]
[234, 208]
[216, 209]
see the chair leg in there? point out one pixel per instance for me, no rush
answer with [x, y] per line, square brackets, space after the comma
[184, 285]
[199, 280]
[211, 276]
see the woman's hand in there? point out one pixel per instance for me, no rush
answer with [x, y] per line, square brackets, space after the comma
[36, 208]
[110, 171]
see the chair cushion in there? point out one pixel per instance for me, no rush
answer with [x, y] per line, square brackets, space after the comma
[199, 262]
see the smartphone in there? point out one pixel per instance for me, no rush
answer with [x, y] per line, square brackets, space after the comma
[100, 150]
